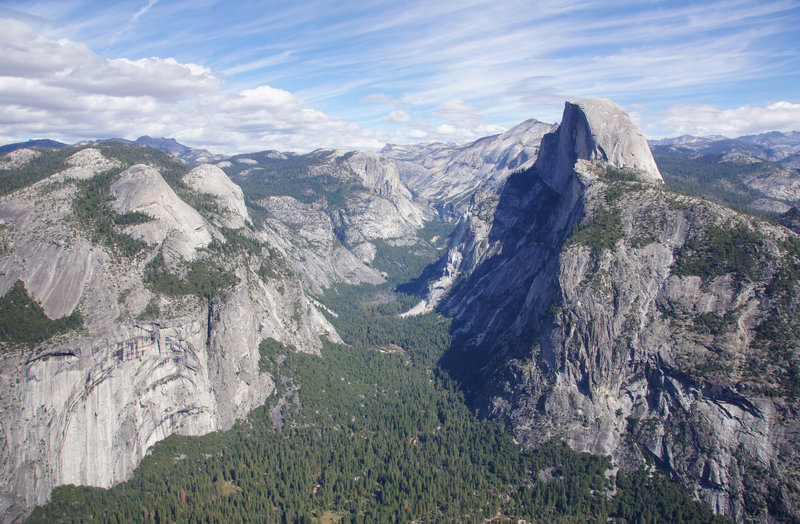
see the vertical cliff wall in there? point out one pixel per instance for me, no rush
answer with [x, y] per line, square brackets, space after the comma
[172, 312]
[591, 303]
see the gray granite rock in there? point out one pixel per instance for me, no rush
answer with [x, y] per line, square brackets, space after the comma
[596, 339]
[84, 407]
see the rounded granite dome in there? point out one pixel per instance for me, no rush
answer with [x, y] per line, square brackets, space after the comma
[595, 129]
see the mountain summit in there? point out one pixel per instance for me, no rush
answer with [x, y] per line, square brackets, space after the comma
[447, 175]
[591, 302]
[588, 302]
[595, 130]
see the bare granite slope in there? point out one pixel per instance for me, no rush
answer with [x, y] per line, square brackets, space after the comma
[448, 174]
[591, 303]
[149, 361]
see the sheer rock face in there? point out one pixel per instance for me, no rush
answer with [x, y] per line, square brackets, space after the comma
[212, 180]
[84, 407]
[595, 130]
[85, 412]
[54, 264]
[42, 251]
[590, 131]
[381, 175]
[450, 174]
[394, 215]
[386, 211]
[55, 271]
[600, 339]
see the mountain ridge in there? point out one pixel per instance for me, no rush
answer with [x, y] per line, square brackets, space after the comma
[173, 305]
[774, 146]
[448, 174]
[588, 300]
[619, 321]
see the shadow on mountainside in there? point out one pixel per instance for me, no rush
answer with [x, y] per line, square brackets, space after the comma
[486, 306]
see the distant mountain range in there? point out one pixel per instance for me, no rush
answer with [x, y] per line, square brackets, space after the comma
[755, 172]
[45, 142]
[448, 174]
[759, 173]
[191, 156]
[774, 146]
[586, 300]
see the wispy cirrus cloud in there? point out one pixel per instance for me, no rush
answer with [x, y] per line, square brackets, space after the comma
[403, 70]
[144, 9]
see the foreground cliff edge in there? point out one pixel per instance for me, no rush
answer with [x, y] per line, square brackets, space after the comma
[592, 303]
[136, 293]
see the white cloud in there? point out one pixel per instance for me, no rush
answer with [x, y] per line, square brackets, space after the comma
[383, 99]
[531, 60]
[702, 120]
[396, 117]
[464, 65]
[144, 9]
[63, 90]
[458, 112]
[73, 66]
[263, 98]
[416, 134]
[376, 98]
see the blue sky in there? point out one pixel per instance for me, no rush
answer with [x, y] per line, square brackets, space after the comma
[246, 76]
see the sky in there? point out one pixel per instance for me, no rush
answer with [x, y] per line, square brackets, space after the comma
[298, 75]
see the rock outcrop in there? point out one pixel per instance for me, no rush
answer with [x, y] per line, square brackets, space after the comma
[326, 210]
[588, 301]
[141, 189]
[592, 131]
[595, 130]
[730, 171]
[212, 180]
[86, 163]
[591, 303]
[17, 157]
[41, 250]
[306, 238]
[383, 178]
[151, 359]
[86, 412]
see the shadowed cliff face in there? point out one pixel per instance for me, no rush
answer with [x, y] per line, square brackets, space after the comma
[590, 302]
[448, 175]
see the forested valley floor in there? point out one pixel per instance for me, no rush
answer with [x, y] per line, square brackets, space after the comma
[373, 431]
